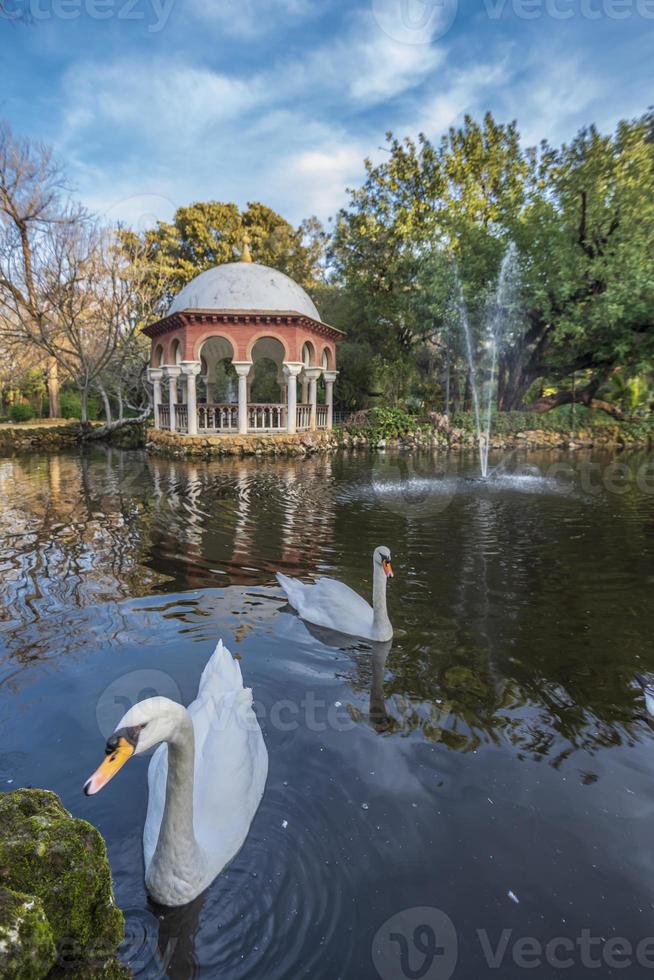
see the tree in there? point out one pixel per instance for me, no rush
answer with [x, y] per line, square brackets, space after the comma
[204, 235]
[431, 223]
[66, 289]
[422, 214]
[588, 238]
[31, 185]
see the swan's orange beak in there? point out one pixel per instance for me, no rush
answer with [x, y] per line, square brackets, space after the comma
[117, 756]
[388, 568]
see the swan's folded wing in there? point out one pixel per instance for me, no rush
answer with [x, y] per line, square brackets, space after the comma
[231, 764]
[332, 604]
[231, 767]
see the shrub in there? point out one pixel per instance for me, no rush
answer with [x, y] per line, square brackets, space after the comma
[70, 405]
[21, 412]
[385, 423]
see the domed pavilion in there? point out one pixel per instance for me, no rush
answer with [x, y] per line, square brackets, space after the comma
[232, 329]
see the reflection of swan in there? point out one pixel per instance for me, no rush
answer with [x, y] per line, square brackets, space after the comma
[379, 716]
[205, 784]
[176, 954]
[338, 607]
[647, 684]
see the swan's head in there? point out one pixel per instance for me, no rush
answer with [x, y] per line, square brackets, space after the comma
[144, 726]
[382, 557]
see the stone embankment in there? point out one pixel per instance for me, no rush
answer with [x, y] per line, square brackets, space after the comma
[45, 435]
[279, 444]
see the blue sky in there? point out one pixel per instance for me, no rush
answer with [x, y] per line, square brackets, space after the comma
[154, 104]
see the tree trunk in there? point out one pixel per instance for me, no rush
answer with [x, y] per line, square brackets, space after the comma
[106, 404]
[105, 430]
[83, 405]
[569, 397]
[53, 388]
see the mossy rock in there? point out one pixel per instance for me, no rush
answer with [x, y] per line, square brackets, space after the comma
[27, 947]
[61, 861]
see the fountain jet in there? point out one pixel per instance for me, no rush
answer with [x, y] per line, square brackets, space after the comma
[484, 382]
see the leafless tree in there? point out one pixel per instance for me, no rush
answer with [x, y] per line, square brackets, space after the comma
[67, 287]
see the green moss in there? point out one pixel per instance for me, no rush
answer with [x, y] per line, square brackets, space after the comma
[27, 948]
[62, 861]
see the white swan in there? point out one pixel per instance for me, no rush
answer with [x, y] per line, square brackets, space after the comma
[338, 607]
[205, 783]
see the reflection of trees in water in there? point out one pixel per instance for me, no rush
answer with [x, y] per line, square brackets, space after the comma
[463, 704]
[82, 531]
[70, 536]
[78, 531]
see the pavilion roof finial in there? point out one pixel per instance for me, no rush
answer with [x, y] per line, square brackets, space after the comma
[246, 255]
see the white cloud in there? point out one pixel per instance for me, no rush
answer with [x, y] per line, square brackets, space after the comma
[465, 91]
[157, 101]
[320, 175]
[148, 135]
[364, 66]
[252, 18]
[545, 107]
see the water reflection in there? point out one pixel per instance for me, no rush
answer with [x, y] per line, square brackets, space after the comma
[522, 611]
[503, 600]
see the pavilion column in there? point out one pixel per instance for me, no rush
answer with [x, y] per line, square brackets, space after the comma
[291, 370]
[155, 376]
[305, 387]
[242, 369]
[172, 372]
[330, 378]
[313, 374]
[190, 370]
[283, 389]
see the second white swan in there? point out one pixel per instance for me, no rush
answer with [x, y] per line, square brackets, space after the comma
[336, 606]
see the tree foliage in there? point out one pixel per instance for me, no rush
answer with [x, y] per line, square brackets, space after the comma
[207, 234]
[431, 216]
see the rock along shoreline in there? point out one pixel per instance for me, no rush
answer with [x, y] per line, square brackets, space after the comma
[48, 436]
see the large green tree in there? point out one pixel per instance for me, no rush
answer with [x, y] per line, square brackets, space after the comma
[432, 223]
[207, 234]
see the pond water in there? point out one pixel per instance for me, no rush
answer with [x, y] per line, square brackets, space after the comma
[432, 805]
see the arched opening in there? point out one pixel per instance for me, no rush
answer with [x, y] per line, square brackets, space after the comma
[158, 356]
[308, 354]
[327, 360]
[266, 380]
[176, 351]
[218, 383]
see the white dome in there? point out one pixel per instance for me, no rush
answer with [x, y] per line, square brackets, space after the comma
[244, 286]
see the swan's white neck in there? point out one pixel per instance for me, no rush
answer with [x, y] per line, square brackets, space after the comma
[381, 624]
[177, 855]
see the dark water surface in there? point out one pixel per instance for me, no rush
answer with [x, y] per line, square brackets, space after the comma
[493, 766]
